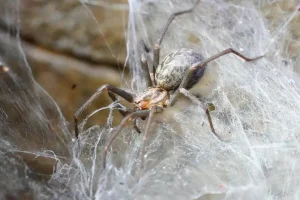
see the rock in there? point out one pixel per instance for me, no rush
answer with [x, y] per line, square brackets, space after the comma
[72, 48]
[91, 32]
[71, 82]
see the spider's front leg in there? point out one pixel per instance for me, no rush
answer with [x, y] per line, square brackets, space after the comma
[134, 115]
[155, 109]
[111, 91]
[156, 49]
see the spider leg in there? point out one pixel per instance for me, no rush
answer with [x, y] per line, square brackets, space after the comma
[187, 76]
[134, 115]
[127, 96]
[144, 49]
[119, 107]
[123, 113]
[156, 49]
[197, 101]
[146, 134]
[135, 126]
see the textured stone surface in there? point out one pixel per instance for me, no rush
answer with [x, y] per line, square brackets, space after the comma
[92, 32]
[71, 82]
[72, 48]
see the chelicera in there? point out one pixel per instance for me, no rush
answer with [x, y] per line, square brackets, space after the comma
[176, 73]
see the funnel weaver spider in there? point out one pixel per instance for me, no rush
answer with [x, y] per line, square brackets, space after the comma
[176, 73]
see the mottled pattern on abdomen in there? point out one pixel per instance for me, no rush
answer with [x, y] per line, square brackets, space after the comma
[174, 66]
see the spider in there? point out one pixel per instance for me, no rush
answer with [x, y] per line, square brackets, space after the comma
[176, 73]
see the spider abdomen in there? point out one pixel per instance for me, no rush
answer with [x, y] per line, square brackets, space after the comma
[174, 66]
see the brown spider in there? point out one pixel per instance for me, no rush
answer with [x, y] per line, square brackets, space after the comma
[178, 72]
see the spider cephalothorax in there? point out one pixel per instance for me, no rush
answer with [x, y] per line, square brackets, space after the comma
[177, 72]
[151, 97]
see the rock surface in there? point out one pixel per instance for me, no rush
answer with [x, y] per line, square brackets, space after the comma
[72, 48]
[90, 32]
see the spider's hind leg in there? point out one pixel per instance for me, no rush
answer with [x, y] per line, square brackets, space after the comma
[206, 108]
[203, 64]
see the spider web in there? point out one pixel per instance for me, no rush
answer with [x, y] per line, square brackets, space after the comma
[257, 114]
